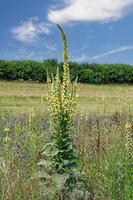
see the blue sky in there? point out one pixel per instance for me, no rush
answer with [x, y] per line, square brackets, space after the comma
[98, 31]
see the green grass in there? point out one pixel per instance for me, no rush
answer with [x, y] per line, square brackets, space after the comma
[102, 137]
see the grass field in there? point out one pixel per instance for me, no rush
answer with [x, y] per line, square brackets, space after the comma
[103, 99]
[102, 133]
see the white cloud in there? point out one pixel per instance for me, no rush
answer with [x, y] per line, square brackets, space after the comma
[89, 10]
[29, 30]
[23, 54]
[51, 47]
[81, 58]
[85, 46]
[84, 57]
[114, 51]
[89, 37]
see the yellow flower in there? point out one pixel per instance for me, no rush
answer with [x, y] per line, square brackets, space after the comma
[7, 130]
[128, 125]
[7, 139]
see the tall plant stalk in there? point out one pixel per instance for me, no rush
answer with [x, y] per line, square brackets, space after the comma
[59, 159]
[62, 104]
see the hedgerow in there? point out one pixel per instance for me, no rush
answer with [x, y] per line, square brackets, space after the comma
[87, 73]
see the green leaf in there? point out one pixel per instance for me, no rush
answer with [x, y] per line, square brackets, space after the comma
[48, 144]
[60, 180]
[45, 163]
[41, 174]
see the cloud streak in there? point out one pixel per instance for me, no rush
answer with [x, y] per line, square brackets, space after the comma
[51, 47]
[114, 51]
[24, 53]
[88, 10]
[81, 58]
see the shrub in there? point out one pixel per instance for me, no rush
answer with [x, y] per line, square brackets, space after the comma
[86, 73]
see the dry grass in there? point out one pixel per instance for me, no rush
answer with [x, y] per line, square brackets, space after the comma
[99, 134]
[103, 99]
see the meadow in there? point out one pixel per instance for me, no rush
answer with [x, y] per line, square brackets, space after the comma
[102, 132]
[102, 99]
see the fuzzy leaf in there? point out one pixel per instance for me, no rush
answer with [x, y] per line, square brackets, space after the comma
[49, 144]
[60, 181]
[45, 163]
[41, 174]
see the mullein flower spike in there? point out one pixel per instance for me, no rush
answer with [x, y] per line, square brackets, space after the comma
[62, 103]
[61, 95]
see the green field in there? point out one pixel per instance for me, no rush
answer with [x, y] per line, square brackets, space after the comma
[102, 134]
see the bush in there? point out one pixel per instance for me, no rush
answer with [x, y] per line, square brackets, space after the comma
[86, 73]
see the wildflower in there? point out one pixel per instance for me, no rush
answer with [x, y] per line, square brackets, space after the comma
[62, 103]
[128, 125]
[7, 139]
[7, 130]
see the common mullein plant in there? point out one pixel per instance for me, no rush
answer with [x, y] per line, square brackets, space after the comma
[62, 103]
[59, 160]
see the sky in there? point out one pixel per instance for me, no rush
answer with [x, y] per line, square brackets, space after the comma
[98, 31]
